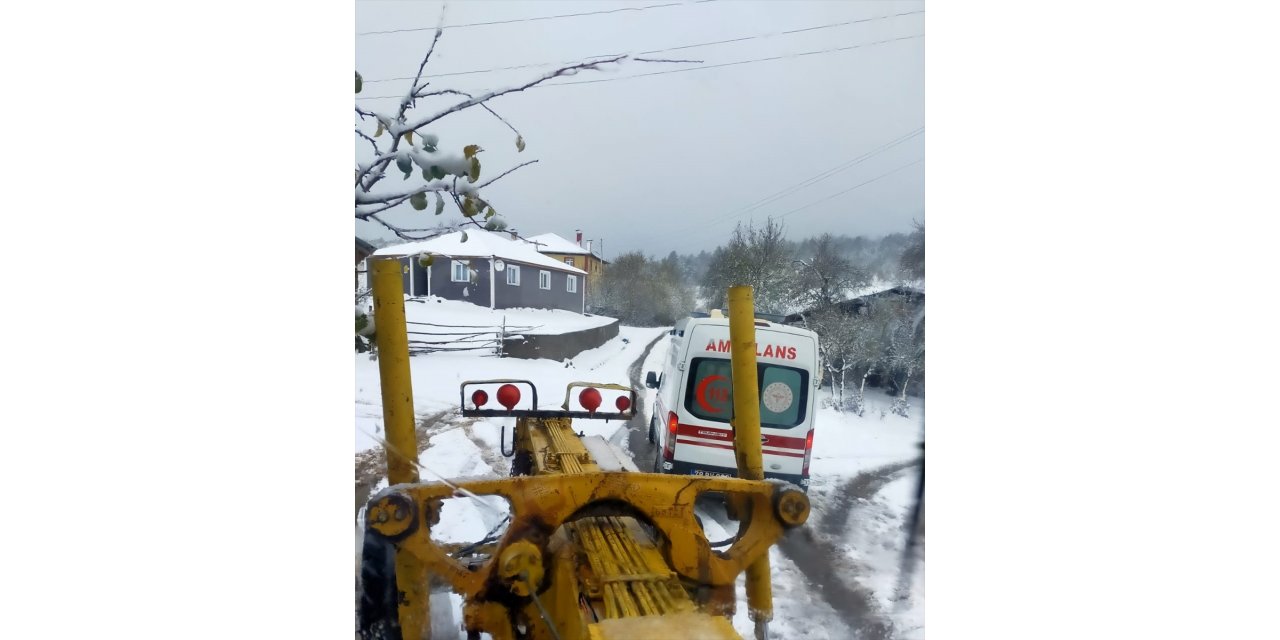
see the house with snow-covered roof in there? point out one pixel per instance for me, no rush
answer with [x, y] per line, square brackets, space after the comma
[490, 269]
[586, 257]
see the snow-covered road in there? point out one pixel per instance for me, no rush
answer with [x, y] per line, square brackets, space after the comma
[835, 577]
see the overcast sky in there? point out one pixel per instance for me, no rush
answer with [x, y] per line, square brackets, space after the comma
[671, 162]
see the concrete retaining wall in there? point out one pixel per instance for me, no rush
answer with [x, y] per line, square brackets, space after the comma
[559, 347]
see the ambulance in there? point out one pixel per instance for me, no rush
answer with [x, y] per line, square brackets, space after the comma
[690, 420]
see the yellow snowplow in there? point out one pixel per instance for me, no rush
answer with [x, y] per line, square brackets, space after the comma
[592, 548]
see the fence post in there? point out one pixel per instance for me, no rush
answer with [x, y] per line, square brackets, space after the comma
[502, 337]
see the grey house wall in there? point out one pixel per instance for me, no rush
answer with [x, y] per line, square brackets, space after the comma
[419, 279]
[507, 296]
[528, 294]
[442, 281]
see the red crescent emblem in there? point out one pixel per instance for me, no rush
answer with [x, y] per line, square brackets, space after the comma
[701, 394]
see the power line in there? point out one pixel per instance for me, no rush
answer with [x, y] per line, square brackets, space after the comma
[697, 68]
[534, 19]
[677, 48]
[816, 178]
[730, 64]
[856, 186]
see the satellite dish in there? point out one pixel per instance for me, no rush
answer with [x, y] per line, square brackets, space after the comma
[499, 265]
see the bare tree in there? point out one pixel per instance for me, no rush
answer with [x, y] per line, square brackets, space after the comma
[758, 257]
[912, 260]
[904, 356]
[850, 343]
[824, 278]
[644, 292]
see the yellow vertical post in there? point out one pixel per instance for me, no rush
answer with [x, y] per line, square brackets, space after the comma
[393, 371]
[746, 439]
[397, 415]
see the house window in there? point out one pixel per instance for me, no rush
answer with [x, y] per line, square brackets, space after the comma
[513, 275]
[544, 279]
[461, 272]
[571, 285]
[568, 261]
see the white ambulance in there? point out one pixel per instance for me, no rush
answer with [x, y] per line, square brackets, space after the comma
[690, 419]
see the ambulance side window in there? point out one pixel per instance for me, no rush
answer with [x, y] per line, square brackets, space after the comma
[783, 393]
[709, 395]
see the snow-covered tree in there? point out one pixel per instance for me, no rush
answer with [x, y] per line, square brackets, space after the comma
[824, 278]
[904, 355]
[912, 260]
[757, 257]
[644, 292]
[850, 344]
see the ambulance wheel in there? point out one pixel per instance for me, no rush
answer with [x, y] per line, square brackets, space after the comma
[653, 430]
[657, 461]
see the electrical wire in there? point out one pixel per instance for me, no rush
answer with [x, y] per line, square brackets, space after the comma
[856, 186]
[537, 18]
[668, 49]
[697, 68]
[813, 179]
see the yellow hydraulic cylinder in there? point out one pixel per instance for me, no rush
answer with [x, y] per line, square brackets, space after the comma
[746, 438]
[392, 337]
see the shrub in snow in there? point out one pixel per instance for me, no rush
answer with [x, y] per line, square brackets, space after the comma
[900, 407]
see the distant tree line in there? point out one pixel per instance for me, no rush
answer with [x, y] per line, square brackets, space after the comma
[877, 340]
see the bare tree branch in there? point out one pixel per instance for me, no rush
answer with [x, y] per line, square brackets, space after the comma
[503, 174]
[376, 151]
[369, 198]
[371, 174]
[434, 40]
[665, 60]
[563, 71]
[486, 107]
[504, 121]
[404, 233]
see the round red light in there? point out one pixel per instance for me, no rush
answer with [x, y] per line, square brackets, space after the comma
[589, 399]
[622, 403]
[508, 396]
[479, 398]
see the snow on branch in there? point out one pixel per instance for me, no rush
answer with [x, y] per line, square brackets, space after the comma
[414, 152]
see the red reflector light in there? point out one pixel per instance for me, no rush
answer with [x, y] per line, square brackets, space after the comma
[508, 396]
[479, 398]
[669, 448]
[589, 399]
[622, 403]
[808, 453]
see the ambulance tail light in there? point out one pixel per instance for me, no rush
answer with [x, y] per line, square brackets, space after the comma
[669, 448]
[808, 453]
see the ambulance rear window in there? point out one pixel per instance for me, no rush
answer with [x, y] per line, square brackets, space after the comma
[783, 390]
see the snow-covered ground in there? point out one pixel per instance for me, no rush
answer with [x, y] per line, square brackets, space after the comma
[437, 310]
[863, 481]
[851, 454]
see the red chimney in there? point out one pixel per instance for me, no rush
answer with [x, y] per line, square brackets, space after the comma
[579, 237]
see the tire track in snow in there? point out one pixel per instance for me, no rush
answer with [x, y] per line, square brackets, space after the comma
[371, 465]
[822, 562]
[642, 451]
